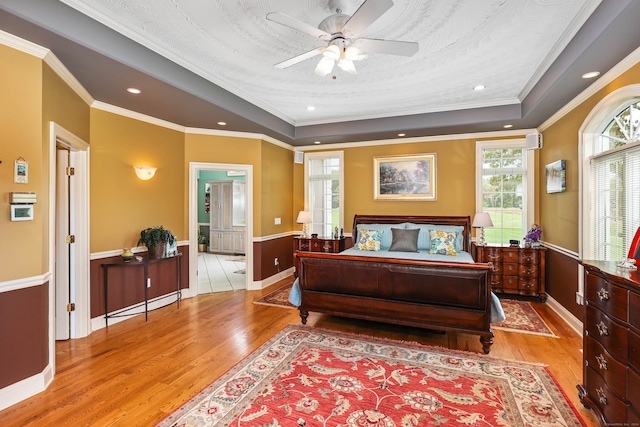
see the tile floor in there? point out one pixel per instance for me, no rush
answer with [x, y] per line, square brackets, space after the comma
[220, 272]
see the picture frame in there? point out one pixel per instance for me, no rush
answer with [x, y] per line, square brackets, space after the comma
[556, 177]
[408, 178]
[21, 171]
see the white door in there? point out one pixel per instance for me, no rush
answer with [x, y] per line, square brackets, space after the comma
[62, 268]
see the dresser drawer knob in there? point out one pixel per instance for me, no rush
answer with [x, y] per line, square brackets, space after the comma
[602, 362]
[529, 271]
[602, 398]
[493, 256]
[528, 285]
[602, 328]
[603, 294]
[527, 258]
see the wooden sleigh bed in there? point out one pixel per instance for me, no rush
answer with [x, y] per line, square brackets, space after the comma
[442, 294]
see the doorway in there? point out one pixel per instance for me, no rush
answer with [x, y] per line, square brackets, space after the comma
[196, 193]
[68, 216]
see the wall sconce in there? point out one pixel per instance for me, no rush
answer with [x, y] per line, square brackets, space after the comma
[304, 217]
[145, 172]
[481, 220]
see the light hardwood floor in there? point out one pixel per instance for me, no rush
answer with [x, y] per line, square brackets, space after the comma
[135, 373]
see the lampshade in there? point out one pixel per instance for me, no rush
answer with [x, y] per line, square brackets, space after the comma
[303, 217]
[482, 219]
[145, 172]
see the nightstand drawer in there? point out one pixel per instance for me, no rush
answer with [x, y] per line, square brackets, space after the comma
[528, 271]
[608, 297]
[510, 269]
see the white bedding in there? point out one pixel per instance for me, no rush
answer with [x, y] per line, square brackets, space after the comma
[463, 257]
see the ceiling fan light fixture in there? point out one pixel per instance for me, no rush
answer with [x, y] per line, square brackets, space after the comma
[332, 52]
[325, 66]
[352, 53]
[347, 65]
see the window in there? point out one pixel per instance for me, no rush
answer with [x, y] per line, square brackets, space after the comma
[324, 191]
[615, 184]
[502, 188]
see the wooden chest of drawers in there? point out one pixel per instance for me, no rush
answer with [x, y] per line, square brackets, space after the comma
[611, 377]
[515, 270]
[318, 244]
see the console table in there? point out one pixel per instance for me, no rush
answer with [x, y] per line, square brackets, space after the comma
[318, 244]
[144, 263]
[515, 270]
[611, 373]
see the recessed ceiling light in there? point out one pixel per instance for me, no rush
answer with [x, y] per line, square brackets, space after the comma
[311, 108]
[316, 142]
[402, 134]
[134, 90]
[591, 74]
[479, 87]
[507, 126]
[222, 123]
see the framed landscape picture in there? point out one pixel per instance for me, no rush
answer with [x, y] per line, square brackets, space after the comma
[411, 177]
[556, 177]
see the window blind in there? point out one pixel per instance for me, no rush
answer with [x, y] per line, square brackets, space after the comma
[615, 202]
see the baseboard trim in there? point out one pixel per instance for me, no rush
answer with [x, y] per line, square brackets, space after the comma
[26, 388]
[261, 284]
[159, 302]
[571, 320]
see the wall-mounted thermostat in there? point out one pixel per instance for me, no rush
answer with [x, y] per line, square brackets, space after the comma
[21, 212]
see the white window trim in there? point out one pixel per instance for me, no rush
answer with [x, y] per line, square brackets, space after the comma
[323, 155]
[587, 134]
[529, 183]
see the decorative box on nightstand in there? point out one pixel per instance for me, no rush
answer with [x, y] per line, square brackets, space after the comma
[318, 244]
[515, 270]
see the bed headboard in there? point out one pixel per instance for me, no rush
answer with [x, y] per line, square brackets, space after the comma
[464, 221]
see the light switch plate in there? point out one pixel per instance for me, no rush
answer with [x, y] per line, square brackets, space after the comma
[277, 221]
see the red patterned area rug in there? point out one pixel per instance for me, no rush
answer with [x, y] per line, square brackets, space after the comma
[522, 317]
[307, 377]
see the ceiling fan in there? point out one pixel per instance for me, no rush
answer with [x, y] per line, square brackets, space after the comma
[341, 32]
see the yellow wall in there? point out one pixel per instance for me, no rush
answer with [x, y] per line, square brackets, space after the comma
[21, 245]
[455, 180]
[559, 211]
[277, 189]
[121, 204]
[223, 149]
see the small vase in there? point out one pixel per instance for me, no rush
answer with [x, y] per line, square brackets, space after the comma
[127, 255]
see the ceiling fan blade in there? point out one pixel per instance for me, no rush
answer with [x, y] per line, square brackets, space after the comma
[290, 22]
[367, 14]
[388, 47]
[299, 58]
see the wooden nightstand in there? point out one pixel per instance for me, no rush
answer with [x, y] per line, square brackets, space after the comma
[515, 270]
[318, 244]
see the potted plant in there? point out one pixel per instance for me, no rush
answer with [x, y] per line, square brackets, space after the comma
[156, 240]
[203, 241]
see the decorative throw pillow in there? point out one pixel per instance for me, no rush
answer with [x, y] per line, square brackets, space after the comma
[404, 240]
[443, 242]
[369, 240]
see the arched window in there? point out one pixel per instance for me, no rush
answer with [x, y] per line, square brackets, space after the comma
[614, 175]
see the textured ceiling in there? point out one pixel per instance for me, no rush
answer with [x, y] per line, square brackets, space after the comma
[505, 45]
[203, 61]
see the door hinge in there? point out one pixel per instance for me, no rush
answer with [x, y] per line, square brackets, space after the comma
[70, 171]
[71, 307]
[70, 239]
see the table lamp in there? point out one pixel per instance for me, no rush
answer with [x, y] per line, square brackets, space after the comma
[481, 220]
[304, 217]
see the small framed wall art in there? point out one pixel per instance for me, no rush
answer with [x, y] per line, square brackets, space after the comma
[556, 177]
[21, 171]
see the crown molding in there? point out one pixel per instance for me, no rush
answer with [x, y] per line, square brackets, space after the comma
[515, 133]
[632, 59]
